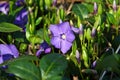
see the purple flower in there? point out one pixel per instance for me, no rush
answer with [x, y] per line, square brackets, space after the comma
[75, 30]
[7, 52]
[44, 47]
[62, 36]
[21, 18]
[4, 7]
[78, 30]
[19, 3]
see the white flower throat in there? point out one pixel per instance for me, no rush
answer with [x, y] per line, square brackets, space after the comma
[63, 36]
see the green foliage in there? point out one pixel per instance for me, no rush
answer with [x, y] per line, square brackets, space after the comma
[52, 66]
[80, 10]
[109, 63]
[25, 70]
[8, 27]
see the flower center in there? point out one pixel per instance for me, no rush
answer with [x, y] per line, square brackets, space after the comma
[63, 36]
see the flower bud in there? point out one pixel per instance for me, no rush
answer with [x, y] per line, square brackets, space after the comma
[93, 33]
[95, 8]
[81, 30]
[54, 3]
[94, 64]
[114, 5]
[78, 56]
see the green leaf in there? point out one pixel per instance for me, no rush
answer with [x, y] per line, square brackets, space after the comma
[81, 10]
[25, 70]
[110, 63]
[8, 27]
[38, 21]
[21, 58]
[111, 18]
[52, 66]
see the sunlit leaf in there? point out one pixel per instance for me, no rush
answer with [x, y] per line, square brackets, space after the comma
[8, 27]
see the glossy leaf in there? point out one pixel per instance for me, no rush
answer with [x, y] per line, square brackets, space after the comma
[25, 70]
[81, 10]
[111, 18]
[8, 27]
[21, 58]
[52, 66]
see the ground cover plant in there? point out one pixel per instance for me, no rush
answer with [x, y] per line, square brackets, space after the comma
[59, 40]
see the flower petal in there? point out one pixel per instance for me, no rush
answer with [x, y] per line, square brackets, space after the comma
[70, 36]
[75, 30]
[56, 42]
[64, 27]
[1, 59]
[7, 57]
[4, 7]
[54, 29]
[48, 50]
[21, 18]
[14, 50]
[4, 49]
[65, 46]
[39, 52]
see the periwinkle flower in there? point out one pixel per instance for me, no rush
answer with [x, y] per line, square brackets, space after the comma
[95, 8]
[94, 32]
[75, 30]
[21, 18]
[19, 3]
[62, 36]
[8, 52]
[44, 47]
[114, 5]
[4, 7]
[78, 30]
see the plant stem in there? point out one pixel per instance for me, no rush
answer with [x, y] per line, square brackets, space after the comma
[2, 41]
[117, 49]
[102, 75]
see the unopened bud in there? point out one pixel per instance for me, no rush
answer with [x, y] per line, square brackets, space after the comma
[54, 2]
[94, 64]
[78, 56]
[114, 5]
[95, 8]
[81, 29]
[93, 33]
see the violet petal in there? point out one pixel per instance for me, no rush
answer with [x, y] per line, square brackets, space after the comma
[14, 50]
[64, 27]
[39, 52]
[4, 7]
[4, 49]
[56, 41]
[48, 50]
[65, 46]
[70, 36]
[54, 29]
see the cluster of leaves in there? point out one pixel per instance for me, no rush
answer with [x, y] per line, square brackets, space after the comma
[95, 50]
